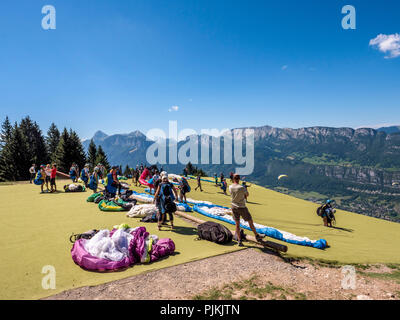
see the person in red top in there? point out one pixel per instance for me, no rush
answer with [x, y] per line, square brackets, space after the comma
[53, 178]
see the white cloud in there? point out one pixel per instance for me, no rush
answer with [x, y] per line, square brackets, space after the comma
[388, 44]
[173, 108]
[284, 67]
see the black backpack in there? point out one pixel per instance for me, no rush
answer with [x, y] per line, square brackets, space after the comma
[86, 235]
[169, 204]
[214, 232]
[186, 187]
[319, 211]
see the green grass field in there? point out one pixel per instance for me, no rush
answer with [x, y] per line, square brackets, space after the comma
[36, 230]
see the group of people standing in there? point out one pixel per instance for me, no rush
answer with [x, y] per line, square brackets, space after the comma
[44, 176]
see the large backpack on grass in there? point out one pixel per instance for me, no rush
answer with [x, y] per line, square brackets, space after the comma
[214, 232]
[320, 211]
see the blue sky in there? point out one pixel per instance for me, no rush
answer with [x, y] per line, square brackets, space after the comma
[118, 66]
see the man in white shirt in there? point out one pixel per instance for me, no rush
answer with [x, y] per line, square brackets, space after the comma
[239, 195]
[32, 171]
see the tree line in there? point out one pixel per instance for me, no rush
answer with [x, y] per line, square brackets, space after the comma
[23, 144]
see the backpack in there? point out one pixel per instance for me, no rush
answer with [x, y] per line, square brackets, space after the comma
[320, 211]
[185, 185]
[38, 179]
[214, 232]
[166, 193]
[86, 235]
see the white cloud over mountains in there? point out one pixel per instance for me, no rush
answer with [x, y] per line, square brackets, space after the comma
[388, 44]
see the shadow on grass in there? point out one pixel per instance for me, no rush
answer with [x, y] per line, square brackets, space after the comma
[187, 231]
[253, 203]
[343, 229]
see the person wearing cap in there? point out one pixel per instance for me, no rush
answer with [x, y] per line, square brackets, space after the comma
[328, 213]
[239, 195]
[165, 196]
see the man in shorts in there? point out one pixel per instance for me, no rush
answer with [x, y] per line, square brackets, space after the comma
[239, 195]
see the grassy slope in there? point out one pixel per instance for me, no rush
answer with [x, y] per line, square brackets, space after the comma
[36, 229]
[357, 238]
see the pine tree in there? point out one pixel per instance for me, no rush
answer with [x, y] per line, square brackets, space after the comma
[92, 154]
[62, 156]
[15, 160]
[52, 141]
[37, 150]
[127, 171]
[190, 169]
[6, 132]
[77, 152]
[101, 157]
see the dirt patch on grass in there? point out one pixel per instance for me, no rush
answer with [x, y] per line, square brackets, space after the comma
[246, 274]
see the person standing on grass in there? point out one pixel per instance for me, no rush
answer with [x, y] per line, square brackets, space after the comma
[32, 172]
[48, 176]
[224, 186]
[112, 182]
[53, 178]
[72, 172]
[231, 176]
[239, 195]
[198, 183]
[166, 195]
[216, 179]
[183, 189]
[42, 177]
[94, 180]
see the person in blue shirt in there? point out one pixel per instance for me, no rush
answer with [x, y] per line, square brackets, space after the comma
[112, 182]
[72, 172]
[85, 175]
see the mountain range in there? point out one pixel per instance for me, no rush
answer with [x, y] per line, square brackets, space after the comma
[360, 167]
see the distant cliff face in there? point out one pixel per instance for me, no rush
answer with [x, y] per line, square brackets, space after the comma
[365, 155]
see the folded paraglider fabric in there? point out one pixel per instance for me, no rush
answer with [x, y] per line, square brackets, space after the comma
[224, 214]
[120, 248]
[93, 196]
[74, 188]
[105, 205]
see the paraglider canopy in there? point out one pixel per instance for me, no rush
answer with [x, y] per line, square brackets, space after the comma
[282, 176]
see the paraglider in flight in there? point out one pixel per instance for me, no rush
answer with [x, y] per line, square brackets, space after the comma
[282, 176]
